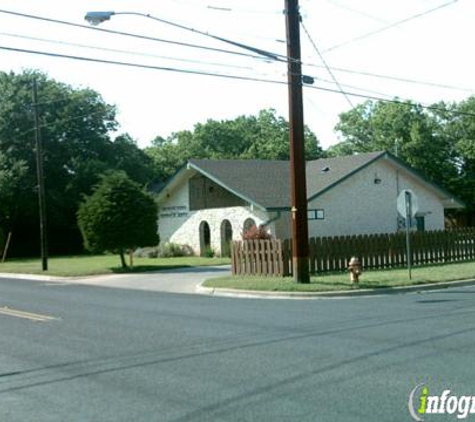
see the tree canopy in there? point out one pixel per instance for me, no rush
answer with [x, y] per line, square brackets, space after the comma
[118, 216]
[439, 140]
[75, 126]
[265, 136]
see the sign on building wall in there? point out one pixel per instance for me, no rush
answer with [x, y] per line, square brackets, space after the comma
[175, 211]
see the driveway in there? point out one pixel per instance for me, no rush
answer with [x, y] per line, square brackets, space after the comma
[179, 280]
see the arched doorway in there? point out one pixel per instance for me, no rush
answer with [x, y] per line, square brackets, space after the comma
[226, 238]
[248, 224]
[205, 238]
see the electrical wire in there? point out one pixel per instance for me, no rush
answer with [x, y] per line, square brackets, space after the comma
[179, 59]
[385, 28]
[395, 78]
[325, 63]
[114, 50]
[259, 51]
[128, 34]
[405, 102]
[136, 65]
[235, 77]
[357, 12]
[229, 51]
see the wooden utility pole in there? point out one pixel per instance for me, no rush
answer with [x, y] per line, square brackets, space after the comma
[41, 181]
[298, 182]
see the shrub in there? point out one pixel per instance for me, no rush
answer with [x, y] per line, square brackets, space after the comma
[119, 216]
[149, 252]
[173, 250]
[256, 233]
[209, 252]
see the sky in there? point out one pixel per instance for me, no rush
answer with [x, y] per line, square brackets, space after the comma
[410, 49]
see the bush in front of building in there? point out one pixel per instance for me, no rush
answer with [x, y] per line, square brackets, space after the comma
[256, 233]
[118, 216]
[164, 250]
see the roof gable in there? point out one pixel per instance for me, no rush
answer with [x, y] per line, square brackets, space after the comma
[265, 183]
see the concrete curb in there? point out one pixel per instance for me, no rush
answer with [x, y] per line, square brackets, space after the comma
[34, 277]
[253, 294]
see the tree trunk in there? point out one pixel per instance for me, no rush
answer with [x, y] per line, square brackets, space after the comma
[131, 258]
[122, 259]
[7, 244]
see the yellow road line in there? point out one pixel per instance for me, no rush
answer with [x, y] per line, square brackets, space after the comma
[27, 315]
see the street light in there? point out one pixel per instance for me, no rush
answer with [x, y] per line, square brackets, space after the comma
[296, 136]
[96, 18]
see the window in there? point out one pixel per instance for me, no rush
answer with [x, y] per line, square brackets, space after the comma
[420, 223]
[317, 214]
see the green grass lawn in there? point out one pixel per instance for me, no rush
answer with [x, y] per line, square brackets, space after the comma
[74, 266]
[341, 281]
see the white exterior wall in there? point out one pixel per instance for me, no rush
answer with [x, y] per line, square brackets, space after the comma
[178, 224]
[359, 206]
[355, 206]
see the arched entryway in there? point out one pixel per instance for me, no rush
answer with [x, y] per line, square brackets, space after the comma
[226, 238]
[205, 238]
[248, 224]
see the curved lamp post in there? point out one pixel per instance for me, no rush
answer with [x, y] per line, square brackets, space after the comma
[96, 18]
[297, 150]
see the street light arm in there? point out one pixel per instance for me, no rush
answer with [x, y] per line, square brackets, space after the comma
[96, 18]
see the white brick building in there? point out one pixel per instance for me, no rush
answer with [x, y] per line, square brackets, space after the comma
[209, 202]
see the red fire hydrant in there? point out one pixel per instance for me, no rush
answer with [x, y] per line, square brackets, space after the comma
[355, 269]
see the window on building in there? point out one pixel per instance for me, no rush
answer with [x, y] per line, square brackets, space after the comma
[316, 214]
[420, 223]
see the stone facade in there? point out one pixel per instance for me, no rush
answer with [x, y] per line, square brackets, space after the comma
[179, 224]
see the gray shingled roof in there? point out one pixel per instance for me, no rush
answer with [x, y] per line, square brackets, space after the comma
[266, 183]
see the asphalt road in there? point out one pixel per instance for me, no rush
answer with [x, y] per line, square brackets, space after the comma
[135, 355]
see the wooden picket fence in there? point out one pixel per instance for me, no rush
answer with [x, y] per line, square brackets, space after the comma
[376, 251]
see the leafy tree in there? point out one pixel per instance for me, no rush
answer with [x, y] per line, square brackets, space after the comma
[76, 127]
[457, 126]
[404, 128]
[12, 173]
[118, 216]
[127, 156]
[265, 136]
[439, 141]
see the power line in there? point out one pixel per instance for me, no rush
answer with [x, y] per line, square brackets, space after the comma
[397, 78]
[114, 50]
[233, 77]
[406, 102]
[325, 63]
[179, 59]
[371, 91]
[225, 51]
[259, 51]
[143, 37]
[356, 11]
[385, 28]
[136, 65]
